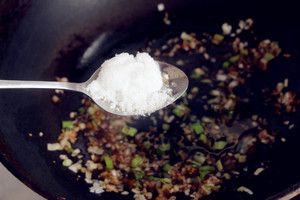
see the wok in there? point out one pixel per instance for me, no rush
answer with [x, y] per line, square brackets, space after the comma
[41, 40]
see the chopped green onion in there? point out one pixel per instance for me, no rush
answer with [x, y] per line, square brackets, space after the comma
[199, 158]
[147, 144]
[217, 39]
[184, 94]
[207, 168]
[235, 58]
[67, 124]
[244, 51]
[127, 130]
[207, 81]
[164, 147]
[268, 56]
[225, 64]
[195, 163]
[219, 145]
[68, 148]
[139, 174]
[136, 161]
[203, 138]
[219, 165]
[167, 180]
[204, 170]
[165, 126]
[67, 162]
[198, 128]
[195, 76]
[167, 167]
[108, 162]
[81, 109]
[154, 178]
[181, 110]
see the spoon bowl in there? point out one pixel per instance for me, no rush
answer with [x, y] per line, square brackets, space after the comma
[177, 81]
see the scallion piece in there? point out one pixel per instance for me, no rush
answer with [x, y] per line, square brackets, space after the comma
[181, 110]
[219, 145]
[268, 56]
[198, 128]
[244, 51]
[167, 180]
[67, 124]
[207, 81]
[108, 162]
[217, 39]
[136, 161]
[147, 144]
[203, 138]
[165, 126]
[235, 58]
[127, 130]
[195, 76]
[81, 109]
[167, 167]
[67, 162]
[139, 174]
[164, 147]
[219, 165]
[207, 168]
[225, 64]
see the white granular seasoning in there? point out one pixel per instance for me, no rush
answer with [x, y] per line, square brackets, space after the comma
[133, 85]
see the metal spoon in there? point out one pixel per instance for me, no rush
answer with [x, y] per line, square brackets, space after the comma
[178, 82]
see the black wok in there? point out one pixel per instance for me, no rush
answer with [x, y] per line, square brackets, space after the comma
[41, 40]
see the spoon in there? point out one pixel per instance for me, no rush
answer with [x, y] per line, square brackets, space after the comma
[178, 82]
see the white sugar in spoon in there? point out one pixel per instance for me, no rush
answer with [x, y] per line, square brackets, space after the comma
[177, 81]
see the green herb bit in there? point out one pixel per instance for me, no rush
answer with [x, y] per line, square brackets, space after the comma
[167, 180]
[166, 167]
[139, 174]
[153, 178]
[136, 161]
[127, 130]
[108, 162]
[244, 52]
[217, 39]
[268, 56]
[181, 110]
[81, 109]
[195, 163]
[198, 128]
[195, 76]
[207, 168]
[184, 94]
[147, 144]
[207, 81]
[219, 165]
[67, 124]
[67, 162]
[225, 64]
[235, 58]
[68, 148]
[203, 138]
[219, 145]
[165, 126]
[164, 147]
[200, 158]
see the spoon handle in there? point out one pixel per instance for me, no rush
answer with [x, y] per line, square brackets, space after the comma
[18, 84]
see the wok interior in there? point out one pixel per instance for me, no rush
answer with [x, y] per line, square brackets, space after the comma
[44, 40]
